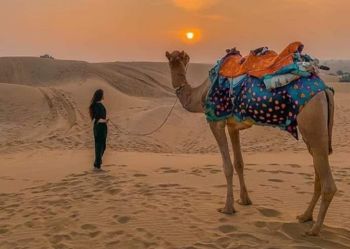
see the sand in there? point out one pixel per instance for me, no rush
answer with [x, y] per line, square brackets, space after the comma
[158, 191]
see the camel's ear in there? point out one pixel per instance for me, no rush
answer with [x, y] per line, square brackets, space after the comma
[167, 54]
[182, 54]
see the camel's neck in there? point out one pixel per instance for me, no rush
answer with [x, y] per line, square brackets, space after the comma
[192, 99]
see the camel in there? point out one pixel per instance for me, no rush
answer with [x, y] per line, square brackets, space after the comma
[315, 123]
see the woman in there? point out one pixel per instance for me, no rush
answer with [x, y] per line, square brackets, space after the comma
[98, 114]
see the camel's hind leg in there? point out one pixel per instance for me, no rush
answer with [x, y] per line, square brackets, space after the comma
[239, 165]
[218, 129]
[308, 214]
[313, 124]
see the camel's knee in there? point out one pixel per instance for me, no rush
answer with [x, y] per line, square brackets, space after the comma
[328, 191]
[317, 189]
[317, 184]
[228, 172]
[239, 166]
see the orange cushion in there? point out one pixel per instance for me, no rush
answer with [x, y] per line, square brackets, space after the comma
[259, 66]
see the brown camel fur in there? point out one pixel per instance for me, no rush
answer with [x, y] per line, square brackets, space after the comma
[315, 123]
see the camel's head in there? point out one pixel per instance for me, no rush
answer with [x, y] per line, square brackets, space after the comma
[177, 58]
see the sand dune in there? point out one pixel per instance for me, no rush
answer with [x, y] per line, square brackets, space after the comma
[158, 191]
[138, 96]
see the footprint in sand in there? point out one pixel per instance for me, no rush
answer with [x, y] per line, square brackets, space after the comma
[260, 224]
[210, 165]
[59, 237]
[171, 171]
[123, 219]
[215, 171]
[109, 165]
[220, 186]
[227, 228]
[140, 175]
[113, 191]
[168, 185]
[223, 241]
[268, 212]
[275, 180]
[251, 164]
[94, 234]
[167, 170]
[88, 227]
[112, 244]
[79, 175]
[122, 165]
[293, 165]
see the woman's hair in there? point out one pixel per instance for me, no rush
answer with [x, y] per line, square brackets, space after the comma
[98, 95]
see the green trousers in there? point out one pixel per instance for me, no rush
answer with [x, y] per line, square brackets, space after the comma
[100, 135]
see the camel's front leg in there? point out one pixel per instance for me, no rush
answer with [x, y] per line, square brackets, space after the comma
[218, 129]
[239, 165]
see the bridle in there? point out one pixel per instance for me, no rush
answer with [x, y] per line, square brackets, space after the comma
[179, 88]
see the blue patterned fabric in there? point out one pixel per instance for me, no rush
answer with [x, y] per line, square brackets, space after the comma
[249, 100]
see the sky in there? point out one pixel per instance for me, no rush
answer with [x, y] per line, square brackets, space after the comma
[142, 30]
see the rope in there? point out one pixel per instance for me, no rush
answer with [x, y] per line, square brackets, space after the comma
[151, 132]
[155, 130]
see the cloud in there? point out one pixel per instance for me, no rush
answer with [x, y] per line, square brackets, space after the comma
[194, 5]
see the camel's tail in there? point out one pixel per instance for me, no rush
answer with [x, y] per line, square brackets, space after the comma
[330, 101]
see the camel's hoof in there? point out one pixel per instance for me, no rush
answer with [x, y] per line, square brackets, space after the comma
[313, 232]
[304, 218]
[227, 210]
[244, 202]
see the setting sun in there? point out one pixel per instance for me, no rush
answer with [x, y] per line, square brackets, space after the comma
[189, 35]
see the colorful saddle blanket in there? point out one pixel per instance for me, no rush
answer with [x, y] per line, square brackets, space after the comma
[246, 98]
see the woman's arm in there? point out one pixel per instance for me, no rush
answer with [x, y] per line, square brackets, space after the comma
[100, 114]
[102, 120]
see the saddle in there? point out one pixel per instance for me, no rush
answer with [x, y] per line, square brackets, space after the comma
[259, 62]
[263, 88]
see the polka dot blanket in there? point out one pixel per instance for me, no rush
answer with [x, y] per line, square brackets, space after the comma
[246, 98]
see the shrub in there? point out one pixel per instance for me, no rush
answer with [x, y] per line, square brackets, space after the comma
[47, 56]
[345, 77]
[340, 72]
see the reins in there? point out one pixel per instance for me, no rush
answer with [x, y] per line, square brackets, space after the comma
[177, 91]
[147, 133]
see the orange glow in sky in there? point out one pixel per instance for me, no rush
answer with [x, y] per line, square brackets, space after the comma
[131, 30]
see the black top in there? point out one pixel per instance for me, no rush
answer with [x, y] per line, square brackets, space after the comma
[99, 112]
